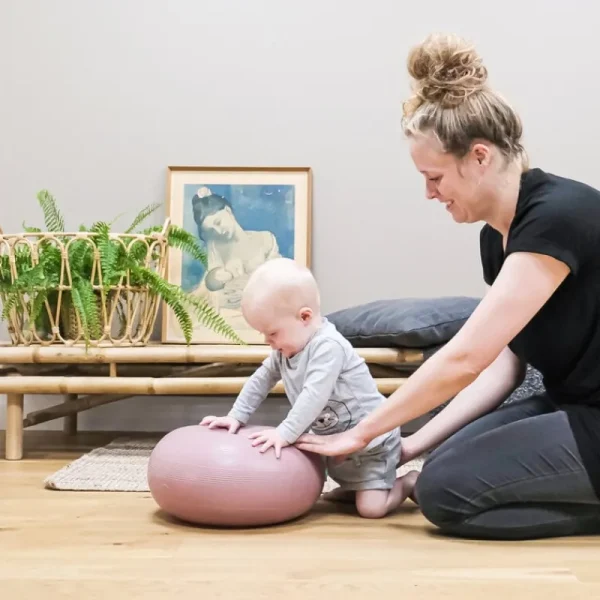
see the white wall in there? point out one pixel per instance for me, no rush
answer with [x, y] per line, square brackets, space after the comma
[99, 97]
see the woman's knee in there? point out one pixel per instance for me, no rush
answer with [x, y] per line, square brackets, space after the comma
[438, 493]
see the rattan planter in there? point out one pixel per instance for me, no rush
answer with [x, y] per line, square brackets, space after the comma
[47, 310]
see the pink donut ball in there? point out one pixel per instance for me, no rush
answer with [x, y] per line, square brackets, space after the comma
[212, 477]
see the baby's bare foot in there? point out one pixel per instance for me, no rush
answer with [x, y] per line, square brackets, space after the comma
[408, 485]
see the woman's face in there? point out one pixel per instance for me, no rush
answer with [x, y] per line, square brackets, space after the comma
[219, 225]
[459, 185]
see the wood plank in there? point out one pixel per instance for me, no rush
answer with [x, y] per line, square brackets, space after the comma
[153, 386]
[166, 353]
[94, 544]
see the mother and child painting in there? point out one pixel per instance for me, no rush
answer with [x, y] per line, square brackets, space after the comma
[242, 217]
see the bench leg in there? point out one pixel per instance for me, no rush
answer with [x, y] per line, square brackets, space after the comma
[14, 426]
[70, 421]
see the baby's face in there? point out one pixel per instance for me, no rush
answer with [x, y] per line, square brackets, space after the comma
[286, 333]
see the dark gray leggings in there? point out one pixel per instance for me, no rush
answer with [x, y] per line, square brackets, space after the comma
[512, 474]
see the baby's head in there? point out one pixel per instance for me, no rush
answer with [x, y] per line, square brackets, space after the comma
[281, 301]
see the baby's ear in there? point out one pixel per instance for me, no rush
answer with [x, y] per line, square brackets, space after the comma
[305, 313]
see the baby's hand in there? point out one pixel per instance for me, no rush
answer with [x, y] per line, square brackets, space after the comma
[269, 438]
[225, 422]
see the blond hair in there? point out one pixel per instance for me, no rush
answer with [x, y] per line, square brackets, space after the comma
[281, 285]
[452, 100]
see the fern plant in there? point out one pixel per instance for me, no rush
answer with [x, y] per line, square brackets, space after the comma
[90, 276]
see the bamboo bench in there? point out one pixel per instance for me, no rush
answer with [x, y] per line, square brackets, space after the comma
[100, 375]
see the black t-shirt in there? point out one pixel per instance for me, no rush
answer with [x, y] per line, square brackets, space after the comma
[560, 217]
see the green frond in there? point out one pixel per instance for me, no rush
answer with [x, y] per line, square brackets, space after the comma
[185, 241]
[86, 304]
[35, 289]
[23, 259]
[177, 300]
[109, 253]
[28, 229]
[153, 229]
[52, 217]
[51, 261]
[172, 296]
[92, 305]
[11, 300]
[210, 318]
[170, 293]
[37, 305]
[137, 252]
[4, 268]
[182, 316]
[116, 219]
[142, 216]
[77, 303]
[99, 227]
[77, 252]
[31, 279]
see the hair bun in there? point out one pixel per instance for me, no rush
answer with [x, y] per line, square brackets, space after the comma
[446, 70]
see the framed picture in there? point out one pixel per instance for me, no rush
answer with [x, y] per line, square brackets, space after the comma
[243, 216]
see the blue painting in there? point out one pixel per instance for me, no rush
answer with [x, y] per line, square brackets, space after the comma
[242, 217]
[240, 226]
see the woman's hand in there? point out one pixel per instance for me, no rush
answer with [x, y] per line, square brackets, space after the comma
[337, 444]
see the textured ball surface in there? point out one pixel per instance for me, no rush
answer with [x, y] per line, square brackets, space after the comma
[212, 477]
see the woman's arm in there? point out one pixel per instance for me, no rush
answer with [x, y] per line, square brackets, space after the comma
[524, 284]
[486, 393]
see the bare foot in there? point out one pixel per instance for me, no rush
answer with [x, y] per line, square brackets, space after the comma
[408, 485]
[340, 495]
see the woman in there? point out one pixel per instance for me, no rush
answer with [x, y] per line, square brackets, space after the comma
[233, 254]
[530, 469]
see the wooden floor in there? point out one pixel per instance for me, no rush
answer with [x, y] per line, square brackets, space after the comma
[87, 545]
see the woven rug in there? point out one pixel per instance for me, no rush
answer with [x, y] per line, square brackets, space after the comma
[121, 466]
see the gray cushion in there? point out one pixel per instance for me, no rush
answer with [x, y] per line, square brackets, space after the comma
[404, 322]
[533, 385]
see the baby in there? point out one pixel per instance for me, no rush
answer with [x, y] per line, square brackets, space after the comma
[327, 383]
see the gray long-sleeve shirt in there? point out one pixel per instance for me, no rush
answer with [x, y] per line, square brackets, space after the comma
[327, 383]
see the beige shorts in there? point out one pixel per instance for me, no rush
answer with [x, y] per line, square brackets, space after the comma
[373, 469]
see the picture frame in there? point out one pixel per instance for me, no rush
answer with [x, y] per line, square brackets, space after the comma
[242, 216]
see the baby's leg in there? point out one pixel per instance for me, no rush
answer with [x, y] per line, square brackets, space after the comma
[368, 479]
[340, 495]
[374, 504]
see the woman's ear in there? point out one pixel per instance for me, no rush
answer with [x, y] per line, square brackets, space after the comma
[482, 153]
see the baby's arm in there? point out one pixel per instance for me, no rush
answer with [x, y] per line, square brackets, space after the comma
[253, 392]
[256, 389]
[324, 368]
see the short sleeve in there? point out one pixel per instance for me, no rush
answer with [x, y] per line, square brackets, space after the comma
[490, 250]
[554, 229]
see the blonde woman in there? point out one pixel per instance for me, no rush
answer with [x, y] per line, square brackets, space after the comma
[532, 468]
